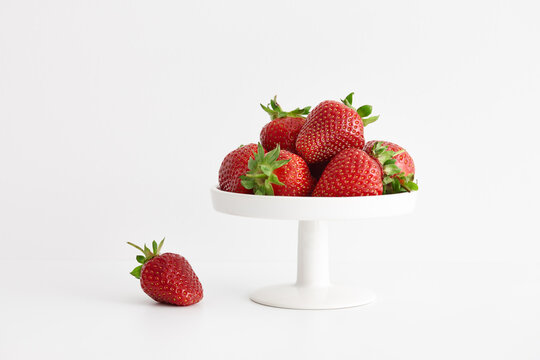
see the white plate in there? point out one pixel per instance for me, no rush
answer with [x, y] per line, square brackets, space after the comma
[312, 208]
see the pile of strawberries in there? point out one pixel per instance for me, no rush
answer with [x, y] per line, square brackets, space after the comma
[324, 154]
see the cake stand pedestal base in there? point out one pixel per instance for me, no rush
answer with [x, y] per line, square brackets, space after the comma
[312, 298]
[313, 289]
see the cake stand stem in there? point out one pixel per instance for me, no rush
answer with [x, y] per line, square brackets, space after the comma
[312, 254]
[312, 289]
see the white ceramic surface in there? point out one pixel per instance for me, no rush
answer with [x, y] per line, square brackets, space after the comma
[313, 289]
[292, 296]
[312, 208]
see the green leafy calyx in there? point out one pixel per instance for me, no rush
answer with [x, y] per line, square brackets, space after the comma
[364, 111]
[261, 176]
[394, 180]
[148, 254]
[276, 112]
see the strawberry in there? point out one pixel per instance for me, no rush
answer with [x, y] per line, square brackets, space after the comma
[284, 126]
[397, 166]
[404, 161]
[278, 172]
[352, 172]
[234, 165]
[331, 127]
[167, 278]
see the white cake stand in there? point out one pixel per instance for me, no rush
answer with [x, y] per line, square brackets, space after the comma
[313, 289]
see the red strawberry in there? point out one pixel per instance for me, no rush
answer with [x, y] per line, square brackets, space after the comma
[284, 127]
[278, 172]
[167, 278]
[397, 166]
[233, 166]
[331, 127]
[352, 172]
[404, 161]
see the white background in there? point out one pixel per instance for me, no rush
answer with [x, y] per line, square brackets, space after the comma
[115, 116]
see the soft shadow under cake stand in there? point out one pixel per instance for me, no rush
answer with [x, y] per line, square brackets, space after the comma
[313, 289]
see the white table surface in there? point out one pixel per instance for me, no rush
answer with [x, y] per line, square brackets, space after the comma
[91, 310]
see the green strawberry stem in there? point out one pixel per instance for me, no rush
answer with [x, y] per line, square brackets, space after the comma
[148, 254]
[394, 180]
[256, 176]
[276, 112]
[406, 187]
[364, 111]
[260, 176]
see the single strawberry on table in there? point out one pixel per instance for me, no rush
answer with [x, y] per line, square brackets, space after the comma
[278, 172]
[234, 165]
[352, 172]
[331, 127]
[396, 163]
[167, 278]
[284, 126]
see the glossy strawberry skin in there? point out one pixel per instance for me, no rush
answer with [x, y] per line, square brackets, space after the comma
[282, 131]
[404, 161]
[295, 176]
[330, 128]
[169, 278]
[234, 165]
[352, 172]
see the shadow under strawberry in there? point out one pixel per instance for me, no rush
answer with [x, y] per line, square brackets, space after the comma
[317, 169]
